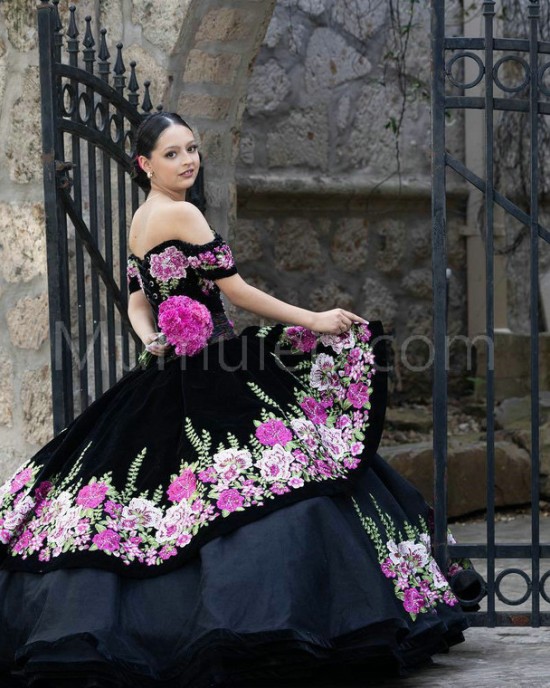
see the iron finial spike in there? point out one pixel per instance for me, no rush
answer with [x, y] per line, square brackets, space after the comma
[133, 85]
[58, 23]
[104, 53]
[147, 104]
[72, 31]
[88, 41]
[119, 67]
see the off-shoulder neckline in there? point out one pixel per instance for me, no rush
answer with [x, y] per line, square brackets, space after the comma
[166, 242]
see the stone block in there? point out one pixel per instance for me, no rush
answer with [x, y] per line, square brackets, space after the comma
[268, 87]
[196, 105]
[24, 145]
[297, 247]
[331, 61]
[331, 295]
[301, 138]
[28, 322]
[225, 24]
[467, 483]
[207, 68]
[349, 244]
[418, 283]
[391, 240]
[36, 400]
[19, 18]
[378, 303]
[22, 241]
[351, 16]
[161, 22]
[6, 390]
[246, 242]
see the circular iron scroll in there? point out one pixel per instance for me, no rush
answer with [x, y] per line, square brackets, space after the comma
[459, 56]
[542, 71]
[511, 58]
[502, 597]
[542, 591]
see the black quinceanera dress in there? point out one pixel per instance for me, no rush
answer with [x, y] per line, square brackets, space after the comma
[222, 518]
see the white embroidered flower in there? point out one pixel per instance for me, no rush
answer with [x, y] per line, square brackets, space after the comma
[414, 552]
[339, 342]
[333, 442]
[59, 505]
[439, 580]
[177, 520]
[426, 540]
[306, 431]
[141, 512]
[275, 464]
[322, 372]
[237, 459]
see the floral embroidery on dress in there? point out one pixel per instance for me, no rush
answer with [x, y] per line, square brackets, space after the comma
[168, 267]
[405, 558]
[133, 274]
[317, 438]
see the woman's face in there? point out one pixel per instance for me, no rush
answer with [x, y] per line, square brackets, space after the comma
[174, 161]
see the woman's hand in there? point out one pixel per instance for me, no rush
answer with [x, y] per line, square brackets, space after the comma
[335, 321]
[155, 343]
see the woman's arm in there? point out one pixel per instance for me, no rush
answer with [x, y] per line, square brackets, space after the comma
[143, 321]
[251, 299]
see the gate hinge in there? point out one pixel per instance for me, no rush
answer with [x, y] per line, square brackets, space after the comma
[62, 174]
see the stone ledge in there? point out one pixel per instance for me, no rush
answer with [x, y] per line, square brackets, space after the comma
[297, 184]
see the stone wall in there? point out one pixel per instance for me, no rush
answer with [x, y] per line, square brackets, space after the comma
[329, 213]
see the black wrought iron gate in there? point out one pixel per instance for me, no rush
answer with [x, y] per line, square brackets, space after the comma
[89, 114]
[530, 57]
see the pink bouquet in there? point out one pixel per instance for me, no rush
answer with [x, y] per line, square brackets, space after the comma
[186, 324]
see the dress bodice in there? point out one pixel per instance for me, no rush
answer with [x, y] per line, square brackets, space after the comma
[178, 268]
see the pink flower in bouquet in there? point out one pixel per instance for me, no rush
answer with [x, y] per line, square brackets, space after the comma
[186, 323]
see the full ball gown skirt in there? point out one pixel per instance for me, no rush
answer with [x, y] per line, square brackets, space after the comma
[220, 517]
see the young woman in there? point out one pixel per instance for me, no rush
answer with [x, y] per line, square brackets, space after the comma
[219, 517]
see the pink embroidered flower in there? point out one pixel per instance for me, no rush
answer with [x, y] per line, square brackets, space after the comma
[112, 508]
[170, 264]
[20, 480]
[184, 539]
[301, 338]
[358, 394]
[413, 602]
[183, 486]
[92, 495]
[186, 323]
[357, 448]
[314, 410]
[208, 475]
[450, 598]
[323, 468]
[296, 482]
[279, 488]
[107, 540]
[388, 569]
[167, 551]
[363, 332]
[230, 500]
[273, 432]
[42, 490]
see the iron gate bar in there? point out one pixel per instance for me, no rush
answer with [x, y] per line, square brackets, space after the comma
[58, 280]
[533, 11]
[489, 13]
[501, 200]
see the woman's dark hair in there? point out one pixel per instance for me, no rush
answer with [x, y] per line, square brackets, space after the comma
[146, 137]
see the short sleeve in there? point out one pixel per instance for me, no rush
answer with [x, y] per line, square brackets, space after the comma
[133, 276]
[216, 262]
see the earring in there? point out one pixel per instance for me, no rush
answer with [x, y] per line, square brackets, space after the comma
[149, 175]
